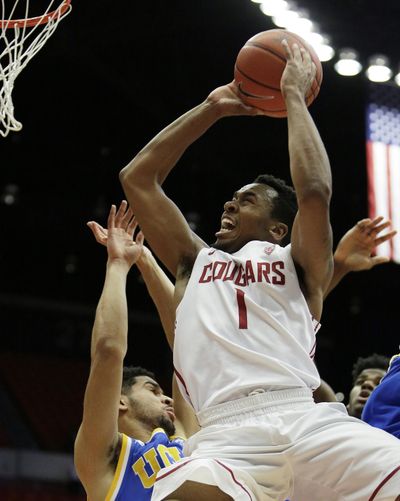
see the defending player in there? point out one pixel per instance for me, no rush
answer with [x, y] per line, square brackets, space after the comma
[245, 338]
[127, 435]
[367, 374]
[355, 252]
[383, 406]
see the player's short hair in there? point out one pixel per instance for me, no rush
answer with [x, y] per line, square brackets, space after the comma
[373, 361]
[285, 204]
[130, 374]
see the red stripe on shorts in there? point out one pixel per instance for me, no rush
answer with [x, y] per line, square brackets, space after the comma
[180, 464]
[383, 483]
[234, 479]
[173, 470]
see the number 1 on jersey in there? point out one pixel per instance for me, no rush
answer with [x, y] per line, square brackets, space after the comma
[242, 309]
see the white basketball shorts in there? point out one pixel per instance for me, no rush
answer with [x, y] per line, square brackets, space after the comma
[280, 445]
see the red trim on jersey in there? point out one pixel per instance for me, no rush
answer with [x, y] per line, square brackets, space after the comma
[234, 479]
[316, 324]
[383, 483]
[182, 381]
[312, 352]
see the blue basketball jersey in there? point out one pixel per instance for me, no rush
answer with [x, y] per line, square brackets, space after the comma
[382, 409]
[139, 463]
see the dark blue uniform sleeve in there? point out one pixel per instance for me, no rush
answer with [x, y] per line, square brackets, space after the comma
[382, 409]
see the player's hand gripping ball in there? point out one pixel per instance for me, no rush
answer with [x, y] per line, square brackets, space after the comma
[259, 67]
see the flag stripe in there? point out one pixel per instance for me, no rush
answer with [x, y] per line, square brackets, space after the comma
[380, 181]
[383, 161]
[394, 154]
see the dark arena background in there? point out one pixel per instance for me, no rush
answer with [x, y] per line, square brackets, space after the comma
[109, 79]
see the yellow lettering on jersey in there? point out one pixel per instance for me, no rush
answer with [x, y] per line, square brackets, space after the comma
[165, 451]
[150, 458]
[139, 468]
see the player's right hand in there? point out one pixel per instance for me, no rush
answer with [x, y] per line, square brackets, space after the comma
[227, 99]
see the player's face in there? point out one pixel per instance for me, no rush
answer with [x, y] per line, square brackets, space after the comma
[365, 383]
[246, 217]
[150, 406]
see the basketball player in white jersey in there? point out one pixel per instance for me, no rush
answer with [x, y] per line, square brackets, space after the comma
[249, 307]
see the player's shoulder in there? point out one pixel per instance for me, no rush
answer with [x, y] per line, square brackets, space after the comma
[393, 373]
[395, 362]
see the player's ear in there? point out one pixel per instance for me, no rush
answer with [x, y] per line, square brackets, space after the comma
[278, 231]
[123, 403]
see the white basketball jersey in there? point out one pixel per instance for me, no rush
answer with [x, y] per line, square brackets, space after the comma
[243, 324]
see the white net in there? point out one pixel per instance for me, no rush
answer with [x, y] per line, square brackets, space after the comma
[20, 40]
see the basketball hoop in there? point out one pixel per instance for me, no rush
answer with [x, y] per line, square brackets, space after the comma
[20, 40]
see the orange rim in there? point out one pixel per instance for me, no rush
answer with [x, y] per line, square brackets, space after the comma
[34, 21]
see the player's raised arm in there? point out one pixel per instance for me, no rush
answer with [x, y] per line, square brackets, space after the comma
[98, 436]
[186, 423]
[162, 222]
[311, 176]
[355, 249]
[159, 286]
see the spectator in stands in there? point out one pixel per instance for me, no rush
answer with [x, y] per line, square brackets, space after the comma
[128, 426]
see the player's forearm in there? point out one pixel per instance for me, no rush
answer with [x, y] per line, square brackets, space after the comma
[339, 272]
[154, 162]
[309, 163]
[111, 322]
[161, 291]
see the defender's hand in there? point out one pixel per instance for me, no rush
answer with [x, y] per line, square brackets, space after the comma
[355, 249]
[118, 237]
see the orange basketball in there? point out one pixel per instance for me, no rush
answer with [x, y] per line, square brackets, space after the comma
[259, 67]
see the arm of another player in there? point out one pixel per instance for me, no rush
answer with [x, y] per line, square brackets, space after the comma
[98, 433]
[161, 291]
[165, 228]
[324, 393]
[158, 285]
[311, 176]
[355, 250]
[186, 423]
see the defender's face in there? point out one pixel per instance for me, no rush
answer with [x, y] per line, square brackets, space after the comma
[246, 217]
[366, 382]
[150, 405]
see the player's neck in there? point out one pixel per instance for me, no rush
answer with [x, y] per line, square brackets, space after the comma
[135, 429]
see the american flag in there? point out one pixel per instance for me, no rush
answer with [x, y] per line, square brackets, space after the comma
[383, 161]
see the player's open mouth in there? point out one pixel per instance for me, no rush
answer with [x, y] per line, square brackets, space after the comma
[364, 396]
[227, 225]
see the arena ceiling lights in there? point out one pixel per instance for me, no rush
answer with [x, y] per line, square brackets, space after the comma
[286, 14]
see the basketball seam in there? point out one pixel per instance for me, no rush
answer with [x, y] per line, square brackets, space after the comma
[267, 49]
[256, 81]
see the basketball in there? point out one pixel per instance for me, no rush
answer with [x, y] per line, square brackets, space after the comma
[259, 67]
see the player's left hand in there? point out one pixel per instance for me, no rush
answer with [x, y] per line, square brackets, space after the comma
[118, 236]
[299, 72]
[355, 250]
